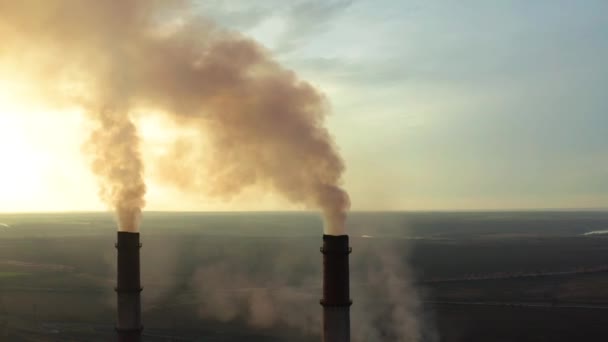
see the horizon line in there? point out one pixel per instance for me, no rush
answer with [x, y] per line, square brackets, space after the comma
[447, 210]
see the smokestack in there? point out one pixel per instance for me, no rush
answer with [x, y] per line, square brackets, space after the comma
[336, 289]
[128, 288]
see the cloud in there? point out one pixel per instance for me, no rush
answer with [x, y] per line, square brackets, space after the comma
[356, 72]
[241, 15]
[309, 19]
[299, 20]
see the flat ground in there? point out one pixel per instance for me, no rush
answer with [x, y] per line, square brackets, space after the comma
[532, 276]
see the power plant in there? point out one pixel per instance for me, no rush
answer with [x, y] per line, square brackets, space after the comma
[336, 300]
[128, 288]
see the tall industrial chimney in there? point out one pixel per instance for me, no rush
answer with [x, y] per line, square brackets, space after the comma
[128, 288]
[336, 300]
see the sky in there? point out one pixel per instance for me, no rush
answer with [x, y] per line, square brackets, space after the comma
[436, 105]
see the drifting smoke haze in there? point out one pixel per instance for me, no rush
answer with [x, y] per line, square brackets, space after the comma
[257, 124]
[391, 308]
[387, 304]
[261, 302]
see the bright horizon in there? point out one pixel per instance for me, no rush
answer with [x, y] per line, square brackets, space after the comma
[436, 116]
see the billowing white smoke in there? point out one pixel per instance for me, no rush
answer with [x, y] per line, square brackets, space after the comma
[263, 126]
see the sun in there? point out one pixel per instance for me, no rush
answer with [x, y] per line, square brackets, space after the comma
[41, 164]
[21, 164]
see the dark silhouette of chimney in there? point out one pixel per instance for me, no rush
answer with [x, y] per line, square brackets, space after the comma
[128, 289]
[336, 289]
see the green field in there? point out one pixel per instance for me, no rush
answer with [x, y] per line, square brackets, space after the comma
[12, 274]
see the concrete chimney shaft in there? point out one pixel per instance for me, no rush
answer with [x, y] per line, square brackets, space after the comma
[336, 300]
[128, 289]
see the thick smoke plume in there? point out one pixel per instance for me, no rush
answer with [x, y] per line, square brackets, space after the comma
[261, 126]
[115, 146]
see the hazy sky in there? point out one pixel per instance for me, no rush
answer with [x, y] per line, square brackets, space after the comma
[436, 105]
